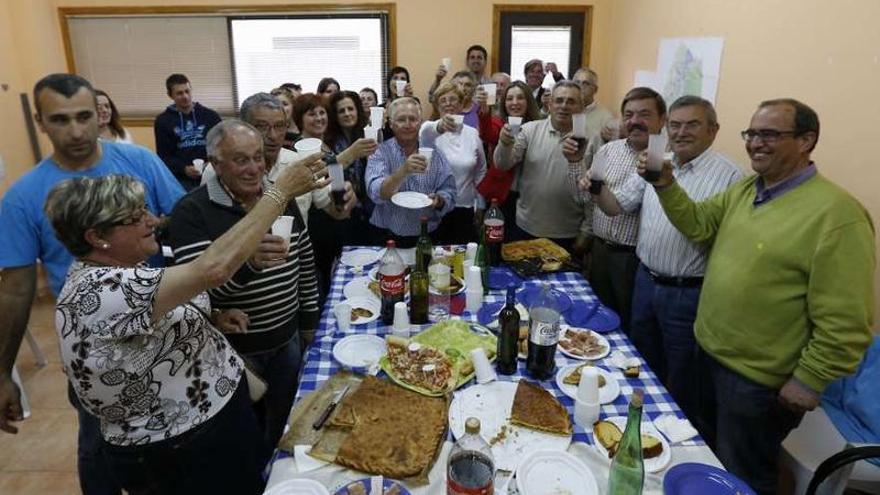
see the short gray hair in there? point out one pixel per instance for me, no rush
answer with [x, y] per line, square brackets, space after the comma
[500, 74]
[696, 101]
[77, 205]
[465, 73]
[399, 102]
[567, 83]
[259, 100]
[218, 133]
[591, 75]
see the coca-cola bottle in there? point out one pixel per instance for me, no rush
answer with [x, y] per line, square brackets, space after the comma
[543, 334]
[470, 469]
[493, 223]
[391, 281]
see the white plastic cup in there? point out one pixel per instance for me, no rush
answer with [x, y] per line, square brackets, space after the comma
[471, 251]
[514, 123]
[400, 87]
[473, 300]
[377, 117]
[342, 312]
[656, 149]
[579, 125]
[586, 414]
[400, 326]
[466, 265]
[447, 63]
[459, 122]
[474, 278]
[371, 132]
[491, 90]
[337, 177]
[484, 370]
[199, 164]
[588, 387]
[308, 146]
[428, 153]
[282, 226]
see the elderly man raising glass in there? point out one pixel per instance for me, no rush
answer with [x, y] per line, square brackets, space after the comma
[397, 166]
[141, 346]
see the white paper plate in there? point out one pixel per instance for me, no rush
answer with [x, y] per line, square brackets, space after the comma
[357, 288]
[408, 255]
[359, 257]
[368, 303]
[590, 357]
[491, 403]
[651, 465]
[607, 394]
[411, 199]
[547, 472]
[359, 351]
[299, 486]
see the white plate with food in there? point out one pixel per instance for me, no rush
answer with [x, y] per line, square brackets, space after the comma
[300, 486]
[359, 257]
[412, 200]
[359, 351]
[655, 449]
[546, 472]
[581, 343]
[568, 377]
[359, 287]
[491, 403]
[363, 309]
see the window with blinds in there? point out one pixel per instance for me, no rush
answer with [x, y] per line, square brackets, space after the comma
[130, 57]
[269, 52]
[548, 43]
[226, 56]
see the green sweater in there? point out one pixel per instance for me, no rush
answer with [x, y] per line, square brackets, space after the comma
[789, 284]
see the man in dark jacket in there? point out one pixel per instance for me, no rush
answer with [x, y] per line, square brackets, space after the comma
[180, 131]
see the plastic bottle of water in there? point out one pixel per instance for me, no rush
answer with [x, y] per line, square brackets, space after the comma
[439, 281]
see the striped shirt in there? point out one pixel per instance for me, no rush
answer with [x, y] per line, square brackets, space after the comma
[661, 247]
[621, 161]
[437, 180]
[272, 297]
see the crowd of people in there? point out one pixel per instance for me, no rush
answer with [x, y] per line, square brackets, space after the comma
[747, 295]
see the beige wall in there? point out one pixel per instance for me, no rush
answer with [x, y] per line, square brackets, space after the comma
[824, 53]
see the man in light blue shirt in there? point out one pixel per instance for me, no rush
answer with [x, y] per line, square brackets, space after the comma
[66, 112]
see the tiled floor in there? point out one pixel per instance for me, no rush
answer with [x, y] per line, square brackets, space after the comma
[41, 458]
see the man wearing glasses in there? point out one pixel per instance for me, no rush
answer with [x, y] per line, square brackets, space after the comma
[787, 302]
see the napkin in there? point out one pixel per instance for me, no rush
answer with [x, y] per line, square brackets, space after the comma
[618, 360]
[305, 462]
[674, 428]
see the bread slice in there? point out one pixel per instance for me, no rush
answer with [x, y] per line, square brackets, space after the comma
[609, 435]
[536, 408]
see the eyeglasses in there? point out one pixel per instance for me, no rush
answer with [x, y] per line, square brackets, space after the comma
[768, 136]
[136, 217]
[264, 127]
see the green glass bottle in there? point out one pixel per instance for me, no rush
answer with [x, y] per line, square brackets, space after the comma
[418, 282]
[627, 475]
[424, 249]
[482, 260]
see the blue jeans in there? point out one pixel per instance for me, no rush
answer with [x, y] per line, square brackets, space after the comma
[225, 454]
[744, 423]
[95, 477]
[280, 369]
[662, 329]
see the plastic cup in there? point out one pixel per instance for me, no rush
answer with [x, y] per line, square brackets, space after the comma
[308, 146]
[428, 153]
[199, 164]
[342, 311]
[473, 300]
[579, 125]
[459, 121]
[377, 117]
[474, 278]
[447, 63]
[282, 226]
[586, 414]
[491, 89]
[514, 123]
[471, 251]
[588, 387]
[371, 132]
[656, 149]
[400, 87]
[400, 325]
[484, 370]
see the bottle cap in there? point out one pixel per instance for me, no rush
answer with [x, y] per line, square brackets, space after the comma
[638, 397]
[472, 426]
[424, 219]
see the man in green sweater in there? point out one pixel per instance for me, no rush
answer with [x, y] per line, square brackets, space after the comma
[787, 302]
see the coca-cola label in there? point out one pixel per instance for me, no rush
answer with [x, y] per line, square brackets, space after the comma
[494, 231]
[392, 284]
[543, 333]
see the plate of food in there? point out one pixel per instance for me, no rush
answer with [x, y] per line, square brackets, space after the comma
[516, 418]
[581, 343]
[359, 351]
[297, 487]
[412, 200]
[359, 257]
[359, 287]
[568, 378]
[554, 471]
[437, 360]
[655, 449]
[363, 309]
[536, 256]
[374, 485]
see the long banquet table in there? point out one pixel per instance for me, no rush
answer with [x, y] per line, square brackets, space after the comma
[319, 365]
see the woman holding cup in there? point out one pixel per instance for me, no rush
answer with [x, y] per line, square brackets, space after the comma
[287, 98]
[396, 76]
[517, 107]
[461, 146]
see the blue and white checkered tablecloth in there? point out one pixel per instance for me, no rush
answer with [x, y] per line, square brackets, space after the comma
[320, 365]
